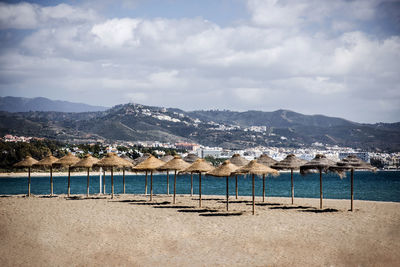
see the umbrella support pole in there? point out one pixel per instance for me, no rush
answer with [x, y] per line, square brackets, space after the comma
[112, 183]
[174, 187]
[200, 189]
[254, 200]
[145, 185]
[29, 182]
[104, 182]
[263, 187]
[236, 186]
[352, 189]
[227, 193]
[88, 180]
[320, 188]
[51, 181]
[167, 183]
[291, 179]
[69, 181]
[151, 186]
[123, 181]
[191, 185]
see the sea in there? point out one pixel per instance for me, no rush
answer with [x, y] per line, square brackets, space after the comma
[378, 186]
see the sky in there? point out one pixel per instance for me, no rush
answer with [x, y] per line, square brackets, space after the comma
[338, 58]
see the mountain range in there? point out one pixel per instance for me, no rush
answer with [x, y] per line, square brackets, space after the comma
[224, 128]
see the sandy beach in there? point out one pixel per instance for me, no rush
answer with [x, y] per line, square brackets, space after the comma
[131, 231]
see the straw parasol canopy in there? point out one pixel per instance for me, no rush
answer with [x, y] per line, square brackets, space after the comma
[131, 163]
[176, 164]
[240, 162]
[266, 160]
[68, 160]
[191, 158]
[150, 164]
[141, 159]
[320, 163]
[291, 162]
[47, 162]
[167, 158]
[255, 168]
[224, 170]
[87, 162]
[27, 162]
[199, 166]
[351, 163]
[111, 160]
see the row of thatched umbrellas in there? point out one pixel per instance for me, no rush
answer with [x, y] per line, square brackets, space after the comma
[233, 167]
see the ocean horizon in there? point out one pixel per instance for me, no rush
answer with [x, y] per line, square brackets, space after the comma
[379, 186]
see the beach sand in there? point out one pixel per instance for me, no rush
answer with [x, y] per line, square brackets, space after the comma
[131, 231]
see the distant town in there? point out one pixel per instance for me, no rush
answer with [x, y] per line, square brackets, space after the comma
[388, 161]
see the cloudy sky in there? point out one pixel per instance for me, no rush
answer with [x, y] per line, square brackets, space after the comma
[338, 58]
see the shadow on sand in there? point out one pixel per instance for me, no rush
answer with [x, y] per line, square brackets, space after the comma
[197, 210]
[291, 208]
[319, 211]
[174, 207]
[150, 203]
[221, 214]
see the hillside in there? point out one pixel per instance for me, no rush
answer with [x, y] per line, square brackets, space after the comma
[22, 104]
[228, 129]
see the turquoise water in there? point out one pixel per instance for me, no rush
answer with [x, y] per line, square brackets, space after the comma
[379, 186]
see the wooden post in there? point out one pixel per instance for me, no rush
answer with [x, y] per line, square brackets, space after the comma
[254, 198]
[69, 181]
[191, 184]
[291, 178]
[123, 180]
[236, 186]
[88, 180]
[263, 187]
[200, 189]
[145, 185]
[112, 182]
[227, 193]
[29, 181]
[51, 180]
[167, 183]
[320, 188]
[104, 181]
[151, 185]
[352, 189]
[174, 187]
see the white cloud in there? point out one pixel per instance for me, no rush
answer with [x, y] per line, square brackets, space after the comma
[309, 56]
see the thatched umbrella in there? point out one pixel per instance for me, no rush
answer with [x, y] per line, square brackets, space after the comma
[27, 162]
[150, 164]
[191, 158]
[176, 164]
[111, 161]
[87, 162]
[129, 164]
[140, 160]
[167, 158]
[320, 163]
[291, 162]
[255, 168]
[225, 170]
[351, 163]
[67, 161]
[267, 161]
[47, 162]
[240, 162]
[199, 166]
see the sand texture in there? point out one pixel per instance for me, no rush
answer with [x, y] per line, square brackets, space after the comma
[131, 231]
